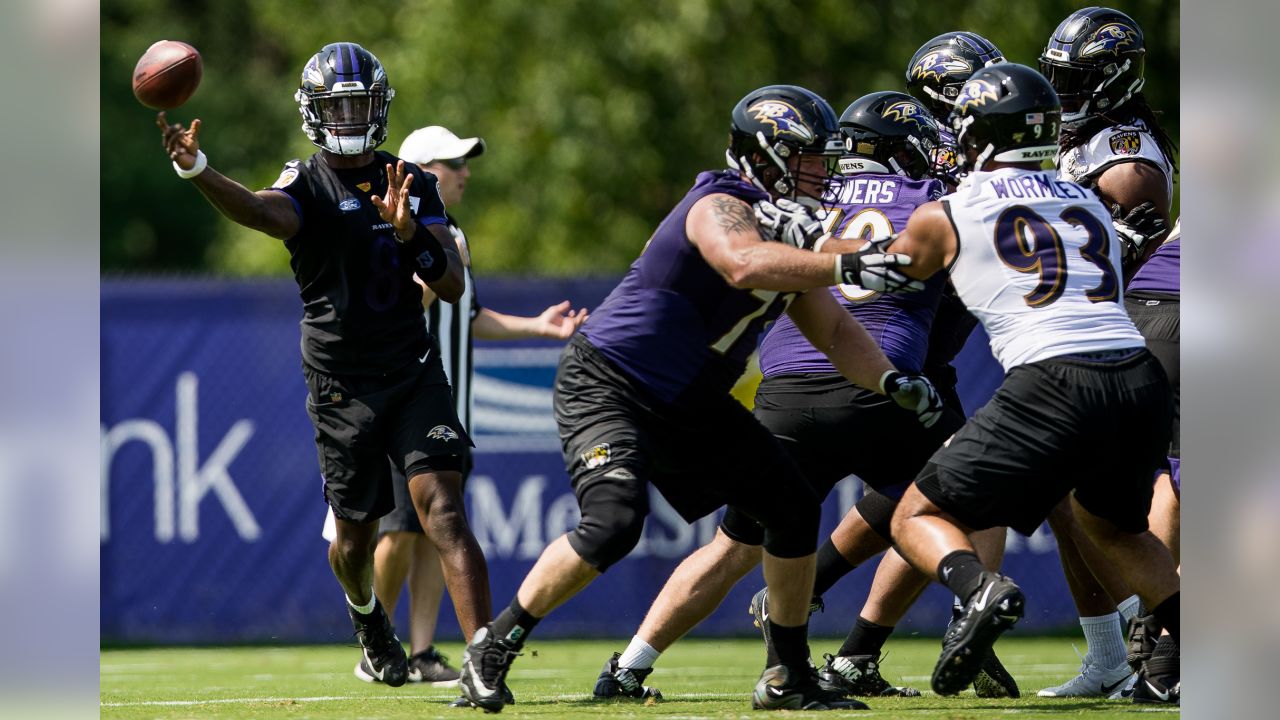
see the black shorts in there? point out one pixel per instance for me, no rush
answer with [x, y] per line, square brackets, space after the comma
[1098, 424]
[360, 421]
[1160, 322]
[404, 518]
[701, 453]
[833, 429]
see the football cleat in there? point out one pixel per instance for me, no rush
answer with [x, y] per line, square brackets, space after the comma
[1159, 681]
[382, 658]
[778, 690]
[485, 664]
[507, 699]
[996, 606]
[429, 666]
[1093, 681]
[994, 681]
[859, 675]
[617, 682]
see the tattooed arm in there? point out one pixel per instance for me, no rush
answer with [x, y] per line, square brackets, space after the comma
[724, 230]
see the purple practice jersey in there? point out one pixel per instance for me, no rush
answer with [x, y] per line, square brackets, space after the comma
[1159, 274]
[673, 323]
[867, 206]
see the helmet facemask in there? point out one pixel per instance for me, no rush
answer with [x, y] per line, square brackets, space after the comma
[1087, 89]
[777, 169]
[350, 122]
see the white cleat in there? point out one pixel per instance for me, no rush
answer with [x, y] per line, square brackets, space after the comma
[1093, 681]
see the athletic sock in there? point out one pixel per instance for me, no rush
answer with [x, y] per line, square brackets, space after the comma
[514, 624]
[791, 644]
[1128, 609]
[639, 655]
[366, 608]
[831, 566]
[866, 638]
[1169, 615]
[961, 571]
[1106, 643]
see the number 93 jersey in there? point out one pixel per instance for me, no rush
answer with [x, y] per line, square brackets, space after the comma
[1037, 263]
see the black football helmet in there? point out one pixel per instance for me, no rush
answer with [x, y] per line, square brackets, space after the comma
[772, 125]
[1095, 61]
[941, 66]
[888, 132]
[344, 98]
[1008, 113]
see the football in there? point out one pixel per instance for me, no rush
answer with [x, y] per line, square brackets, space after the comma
[167, 74]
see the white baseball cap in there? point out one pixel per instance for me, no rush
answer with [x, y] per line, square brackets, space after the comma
[432, 143]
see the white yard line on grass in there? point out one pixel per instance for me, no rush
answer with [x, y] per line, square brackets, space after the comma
[538, 698]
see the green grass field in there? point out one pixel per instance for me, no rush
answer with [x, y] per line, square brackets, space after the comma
[699, 678]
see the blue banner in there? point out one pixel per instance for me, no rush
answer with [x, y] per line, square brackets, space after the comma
[211, 496]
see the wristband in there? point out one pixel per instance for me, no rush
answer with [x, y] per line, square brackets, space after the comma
[884, 377]
[202, 162]
[817, 246]
[429, 253]
[839, 269]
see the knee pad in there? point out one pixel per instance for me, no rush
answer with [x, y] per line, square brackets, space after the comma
[741, 527]
[612, 519]
[877, 511]
[602, 540]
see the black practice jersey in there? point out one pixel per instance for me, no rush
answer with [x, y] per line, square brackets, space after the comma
[362, 311]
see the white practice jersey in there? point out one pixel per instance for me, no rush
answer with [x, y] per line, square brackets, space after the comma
[1116, 144]
[1038, 265]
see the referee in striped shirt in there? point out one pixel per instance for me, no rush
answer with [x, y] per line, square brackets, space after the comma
[404, 550]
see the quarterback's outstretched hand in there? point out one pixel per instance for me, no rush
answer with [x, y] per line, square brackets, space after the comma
[875, 269]
[789, 222]
[915, 393]
[181, 144]
[395, 207]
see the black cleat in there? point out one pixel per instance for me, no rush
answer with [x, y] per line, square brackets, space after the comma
[383, 657]
[507, 699]
[859, 675]
[485, 663]
[777, 690]
[996, 606]
[616, 682]
[1159, 681]
[429, 666]
[994, 681]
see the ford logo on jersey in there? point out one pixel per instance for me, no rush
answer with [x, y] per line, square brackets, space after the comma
[349, 205]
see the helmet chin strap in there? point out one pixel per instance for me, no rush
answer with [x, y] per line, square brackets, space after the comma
[784, 184]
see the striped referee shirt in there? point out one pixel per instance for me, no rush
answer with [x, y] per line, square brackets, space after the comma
[450, 325]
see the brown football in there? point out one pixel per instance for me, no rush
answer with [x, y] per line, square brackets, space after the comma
[167, 75]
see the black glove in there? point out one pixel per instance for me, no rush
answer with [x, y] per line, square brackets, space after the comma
[789, 222]
[874, 269]
[915, 393]
[1141, 228]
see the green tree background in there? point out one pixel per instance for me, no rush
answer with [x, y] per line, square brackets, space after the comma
[597, 113]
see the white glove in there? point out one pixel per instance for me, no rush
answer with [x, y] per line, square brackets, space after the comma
[915, 393]
[876, 270]
[1142, 225]
[789, 222]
